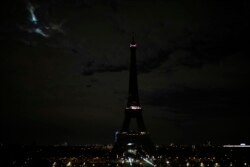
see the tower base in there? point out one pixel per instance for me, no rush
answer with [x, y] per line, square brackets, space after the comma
[139, 139]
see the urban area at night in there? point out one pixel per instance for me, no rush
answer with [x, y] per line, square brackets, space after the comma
[98, 83]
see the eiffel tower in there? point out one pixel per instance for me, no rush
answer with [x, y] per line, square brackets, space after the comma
[127, 136]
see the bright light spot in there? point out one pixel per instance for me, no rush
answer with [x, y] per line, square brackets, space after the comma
[134, 107]
[54, 164]
[132, 45]
[216, 164]
[241, 145]
[188, 164]
[150, 163]
[68, 164]
[130, 161]
[132, 151]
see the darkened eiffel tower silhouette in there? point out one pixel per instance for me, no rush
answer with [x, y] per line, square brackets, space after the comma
[133, 110]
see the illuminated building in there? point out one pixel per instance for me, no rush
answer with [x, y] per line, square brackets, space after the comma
[243, 145]
[133, 111]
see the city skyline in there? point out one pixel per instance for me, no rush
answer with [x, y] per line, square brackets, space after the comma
[65, 70]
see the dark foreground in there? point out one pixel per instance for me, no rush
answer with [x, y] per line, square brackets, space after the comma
[101, 155]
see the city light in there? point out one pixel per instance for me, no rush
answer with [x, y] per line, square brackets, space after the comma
[241, 145]
[150, 163]
[100, 155]
[54, 164]
[69, 164]
[216, 164]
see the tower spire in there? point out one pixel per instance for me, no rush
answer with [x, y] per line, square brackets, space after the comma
[133, 97]
[133, 108]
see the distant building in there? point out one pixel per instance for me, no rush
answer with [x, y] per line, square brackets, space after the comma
[240, 145]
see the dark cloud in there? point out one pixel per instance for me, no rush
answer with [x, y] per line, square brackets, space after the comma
[201, 103]
[192, 60]
[103, 68]
[203, 31]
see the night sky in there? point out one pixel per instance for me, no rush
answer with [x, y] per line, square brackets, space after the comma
[64, 76]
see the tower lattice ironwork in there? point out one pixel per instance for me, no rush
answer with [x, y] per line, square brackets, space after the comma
[133, 110]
